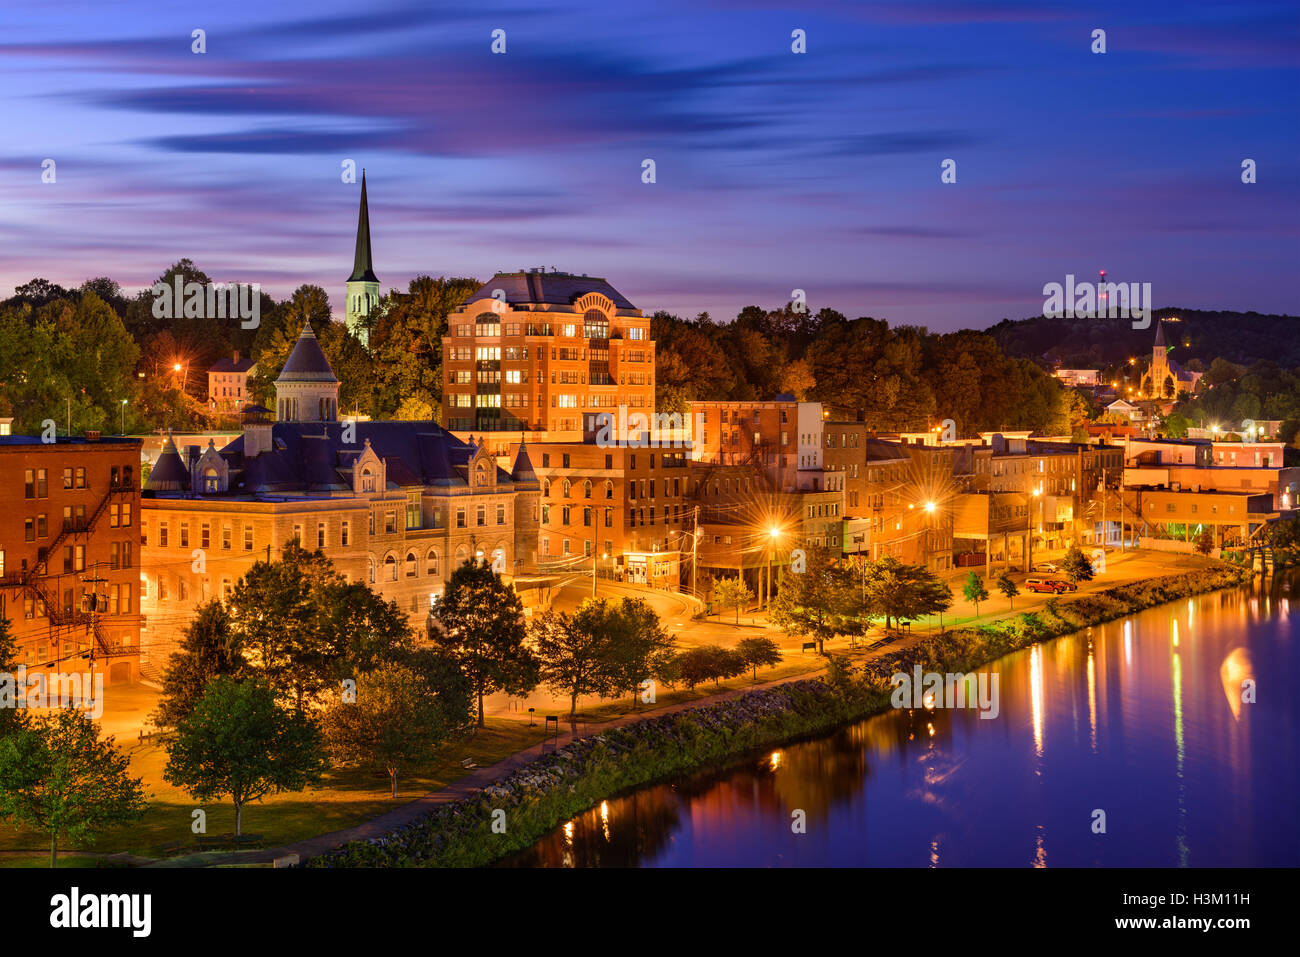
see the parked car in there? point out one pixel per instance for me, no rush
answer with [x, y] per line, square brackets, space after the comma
[1049, 567]
[1045, 585]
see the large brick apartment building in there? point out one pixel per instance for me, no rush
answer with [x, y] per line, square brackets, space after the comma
[69, 530]
[538, 351]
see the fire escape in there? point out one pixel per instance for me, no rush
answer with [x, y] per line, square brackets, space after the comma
[36, 579]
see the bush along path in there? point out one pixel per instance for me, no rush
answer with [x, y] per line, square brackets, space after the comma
[514, 812]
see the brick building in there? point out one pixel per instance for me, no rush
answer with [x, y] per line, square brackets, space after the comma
[538, 351]
[69, 531]
[398, 505]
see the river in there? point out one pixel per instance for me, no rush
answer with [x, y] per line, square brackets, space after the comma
[1141, 719]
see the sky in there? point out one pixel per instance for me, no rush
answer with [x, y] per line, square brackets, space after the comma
[774, 170]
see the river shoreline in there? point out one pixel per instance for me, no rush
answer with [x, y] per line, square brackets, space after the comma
[513, 813]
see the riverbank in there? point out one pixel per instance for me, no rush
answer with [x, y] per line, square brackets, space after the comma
[513, 813]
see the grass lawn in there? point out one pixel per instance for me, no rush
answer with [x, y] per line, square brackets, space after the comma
[346, 797]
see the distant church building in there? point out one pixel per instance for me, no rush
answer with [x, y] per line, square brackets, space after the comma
[363, 284]
[1166, 379]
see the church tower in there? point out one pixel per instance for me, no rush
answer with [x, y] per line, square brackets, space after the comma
[1159, 371]
[363, 285]
[307, 389]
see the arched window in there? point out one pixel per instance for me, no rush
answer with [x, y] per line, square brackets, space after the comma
[371, 577]
[431, 562]
[210, 479]
[462, 553]
[482, 475]
[367, 480]
[567, 486]
[609, 489]
[586, 488]
[546, 488]
[410, 564]
[390, 568]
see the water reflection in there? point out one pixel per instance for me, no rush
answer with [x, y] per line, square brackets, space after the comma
[1142, 718]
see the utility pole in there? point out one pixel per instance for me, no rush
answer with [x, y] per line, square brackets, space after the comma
[94, 606]
[595, 553]
[695, 541]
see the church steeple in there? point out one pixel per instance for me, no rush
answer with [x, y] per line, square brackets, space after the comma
[363, 284]
[363, 269]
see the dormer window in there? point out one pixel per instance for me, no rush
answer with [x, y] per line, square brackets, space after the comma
[211, 480]
[482, 476]
[367, 480]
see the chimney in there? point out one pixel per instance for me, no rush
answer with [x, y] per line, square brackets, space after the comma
[236, 356]
[92, 435]
[257, 438]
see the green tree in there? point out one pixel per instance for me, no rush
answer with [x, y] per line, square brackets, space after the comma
[902, 592]
[709, 663]
[732, 593]
[208, 650]
[11, 714]
[58, 776]
[759, 653]
[639, 647]
[479, 621]
[975, 591]
[573, 650]
[393, 724]
[299, 623]
[821, 602]
[239, 742]
[1075, 565]
[1008, 588]
[1204, 541]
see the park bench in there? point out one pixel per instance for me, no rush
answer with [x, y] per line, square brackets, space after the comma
[217, 843]
[247, 840]
[173, 847]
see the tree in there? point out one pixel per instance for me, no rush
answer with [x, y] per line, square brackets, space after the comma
[1075, 565]
[208, 650]
[479, 621]
[975, 591]
[732, 593]
[573, 650]
[58, 776]
[821, 602]
[393, 724]
[304, 627]
[709, 663]
[11, 714]
[1204, 541]
[239, 742]
[904, 592]
[1008, 588]
[639, 648]
[758, 653]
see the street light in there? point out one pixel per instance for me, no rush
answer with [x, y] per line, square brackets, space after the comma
[1029, 533]
[773, 533]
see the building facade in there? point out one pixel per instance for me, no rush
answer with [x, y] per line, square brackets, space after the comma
[537, 351]
[69, 553]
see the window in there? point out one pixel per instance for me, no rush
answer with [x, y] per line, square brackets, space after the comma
[431, 562]
[501, 514]
[126, 554]
[481, 516]
[390, 522]
[81, 478]
[390, 568]
[410, 564]
[460, 517]
[226, 536]
[204, 536]
[320, 534]
[67, 478]
[344, 534]
[248, 538]
[126, 514]
[185, 535]
[162, 534]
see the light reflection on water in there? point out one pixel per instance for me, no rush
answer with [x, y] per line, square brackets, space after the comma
[1141, 718]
